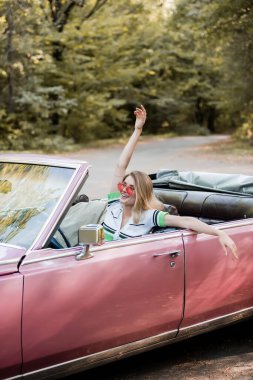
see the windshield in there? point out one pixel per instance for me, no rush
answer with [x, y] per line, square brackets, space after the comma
[28, 194]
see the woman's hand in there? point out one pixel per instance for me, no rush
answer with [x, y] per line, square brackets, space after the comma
[227, 242]
[201, 227]
[128, 150]
[141, 115]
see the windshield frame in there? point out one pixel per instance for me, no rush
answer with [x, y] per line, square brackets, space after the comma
[77, 179]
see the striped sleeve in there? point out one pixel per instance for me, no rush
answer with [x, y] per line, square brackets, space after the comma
[159, 218]
[113, 197]
[109, 232]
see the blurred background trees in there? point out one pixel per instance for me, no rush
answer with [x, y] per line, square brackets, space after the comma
[73, 70]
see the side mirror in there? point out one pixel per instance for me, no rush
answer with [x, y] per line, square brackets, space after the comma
[89, 234]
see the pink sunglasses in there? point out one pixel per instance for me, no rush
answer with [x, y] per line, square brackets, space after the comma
[129, 188]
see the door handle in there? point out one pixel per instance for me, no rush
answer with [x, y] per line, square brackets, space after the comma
[172, 254]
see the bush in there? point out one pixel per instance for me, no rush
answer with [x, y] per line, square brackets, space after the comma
[245, 131]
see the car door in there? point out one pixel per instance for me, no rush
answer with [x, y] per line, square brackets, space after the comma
[34, 194]
[219, 288]
[128, 291]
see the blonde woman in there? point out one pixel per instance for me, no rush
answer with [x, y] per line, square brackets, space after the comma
[133, 210]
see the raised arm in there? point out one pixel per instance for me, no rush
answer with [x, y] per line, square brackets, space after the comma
[126, 155]
[198, 226]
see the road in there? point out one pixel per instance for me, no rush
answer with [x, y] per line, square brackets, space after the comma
[221, 355]
[225, 354]
[182, 153]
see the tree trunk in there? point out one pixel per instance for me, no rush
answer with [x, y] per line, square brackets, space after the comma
[10, 23]
[211, 119]
[199, 115]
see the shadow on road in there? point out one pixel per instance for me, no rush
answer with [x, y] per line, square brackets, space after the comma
[223, 354]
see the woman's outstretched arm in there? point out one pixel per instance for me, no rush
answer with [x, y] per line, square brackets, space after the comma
[201, 227]
[126, 155]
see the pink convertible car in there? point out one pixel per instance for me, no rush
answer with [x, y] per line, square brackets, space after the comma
[68, 303]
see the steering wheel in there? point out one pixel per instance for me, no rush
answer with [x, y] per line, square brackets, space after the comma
[54, 243]
[66, 240]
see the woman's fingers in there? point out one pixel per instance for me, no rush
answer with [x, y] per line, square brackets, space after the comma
[234, 251]
[141, 109]
[224, 248]
[140, 112]
[229, 244]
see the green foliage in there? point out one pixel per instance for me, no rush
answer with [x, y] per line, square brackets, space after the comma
[74, 70]
[245, 131]
[222, 33]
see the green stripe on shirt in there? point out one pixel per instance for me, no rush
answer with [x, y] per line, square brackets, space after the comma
[113, 196]
[109, 232]
[161, 218]
[108, 237]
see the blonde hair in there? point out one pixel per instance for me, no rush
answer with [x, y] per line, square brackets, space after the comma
[145, 198]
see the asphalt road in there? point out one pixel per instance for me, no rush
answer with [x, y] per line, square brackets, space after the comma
[221, 355]
[181, 153]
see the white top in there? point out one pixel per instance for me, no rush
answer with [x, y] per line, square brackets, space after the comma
[113, 220]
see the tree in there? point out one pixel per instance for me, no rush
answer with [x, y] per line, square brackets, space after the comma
[220, 35]
[74, 69]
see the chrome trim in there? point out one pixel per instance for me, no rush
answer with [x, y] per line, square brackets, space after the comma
[162, 236]
[237, 223]
[113, 354]
[94, 249]
[11, 261]
[53, 257]
[15, 377]
[211, 324]
[85, 253]
[100, 358]
[172, 254]
[224, 225]
[135, 241]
